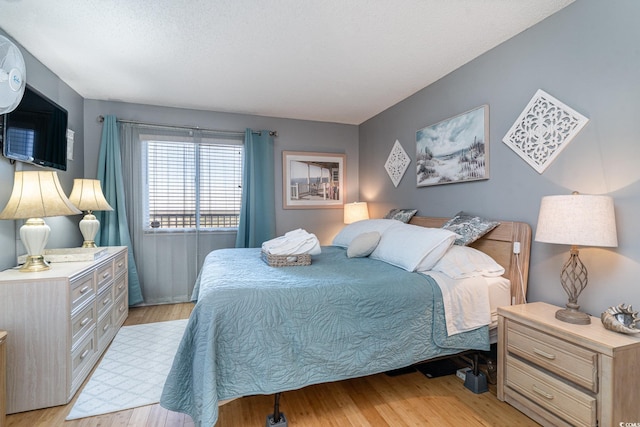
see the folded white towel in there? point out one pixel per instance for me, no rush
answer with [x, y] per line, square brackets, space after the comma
[294, 242]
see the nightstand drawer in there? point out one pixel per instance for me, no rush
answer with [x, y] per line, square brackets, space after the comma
[570, 361]
[576, 407]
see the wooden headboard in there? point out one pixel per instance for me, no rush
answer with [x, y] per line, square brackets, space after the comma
[499, 245]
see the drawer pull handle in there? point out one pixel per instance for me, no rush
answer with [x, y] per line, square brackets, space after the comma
[85, 321]
[121, 286]
[544, 354]
[85, 289]
[84, 354]
[543, 393]
[121, 309]
[106, 301]
[105, 327]
[105, 275]
[120, 264]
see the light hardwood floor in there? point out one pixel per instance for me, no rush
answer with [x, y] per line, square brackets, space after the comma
[377, 401]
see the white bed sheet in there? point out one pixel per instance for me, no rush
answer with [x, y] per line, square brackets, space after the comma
[477, 298]
[499, 296]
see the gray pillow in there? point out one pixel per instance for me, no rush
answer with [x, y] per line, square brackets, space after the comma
[363, 244]
[403, 215]
[469, 227]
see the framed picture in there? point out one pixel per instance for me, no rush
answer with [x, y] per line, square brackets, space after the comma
[454, 150]
[313, 180]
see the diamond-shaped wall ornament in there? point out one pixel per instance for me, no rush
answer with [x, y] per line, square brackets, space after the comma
[543, 130]
[397, 163]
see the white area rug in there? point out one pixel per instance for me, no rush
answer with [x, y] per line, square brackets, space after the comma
[132, 371]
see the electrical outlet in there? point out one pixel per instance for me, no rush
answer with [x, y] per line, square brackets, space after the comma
[462, 373]
[516, 247]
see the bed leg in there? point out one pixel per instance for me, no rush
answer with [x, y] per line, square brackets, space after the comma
[277, 419]
[475, 380]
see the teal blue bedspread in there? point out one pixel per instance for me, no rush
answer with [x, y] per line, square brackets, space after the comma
[257, 329]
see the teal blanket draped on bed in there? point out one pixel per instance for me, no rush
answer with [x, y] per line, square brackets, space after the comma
[257, 329]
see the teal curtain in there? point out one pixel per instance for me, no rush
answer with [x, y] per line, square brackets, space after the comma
[114, 229]
[258, 210]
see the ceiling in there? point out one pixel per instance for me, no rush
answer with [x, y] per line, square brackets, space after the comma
[340, 61]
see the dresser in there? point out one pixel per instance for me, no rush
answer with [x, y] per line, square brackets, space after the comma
[59, 322]
[561, 374]
[3, 382]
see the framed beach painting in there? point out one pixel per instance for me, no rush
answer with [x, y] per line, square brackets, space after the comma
[454, 150]
[313, 180]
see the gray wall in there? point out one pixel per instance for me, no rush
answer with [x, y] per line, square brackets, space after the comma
[587, 56]
[292, 135]
[64, 230]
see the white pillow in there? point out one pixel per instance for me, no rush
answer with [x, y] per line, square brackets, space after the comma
[351, 231]
[363, 244]
[410, 246]
[463, 261]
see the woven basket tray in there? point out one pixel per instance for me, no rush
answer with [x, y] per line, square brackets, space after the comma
[286, 260]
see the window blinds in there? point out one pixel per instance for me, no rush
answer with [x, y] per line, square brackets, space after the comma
[193, 185]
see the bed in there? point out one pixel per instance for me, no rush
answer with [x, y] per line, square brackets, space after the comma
[257, 329]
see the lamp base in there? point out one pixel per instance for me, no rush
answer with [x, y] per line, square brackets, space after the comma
[574, 316]
[89, 226]
[34, 235]
[34, 263]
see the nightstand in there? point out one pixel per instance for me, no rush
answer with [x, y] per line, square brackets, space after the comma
[561, 374]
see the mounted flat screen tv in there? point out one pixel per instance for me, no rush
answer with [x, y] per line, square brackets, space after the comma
[36, 132]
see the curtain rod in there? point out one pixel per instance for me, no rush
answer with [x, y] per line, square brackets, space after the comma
[273, 133]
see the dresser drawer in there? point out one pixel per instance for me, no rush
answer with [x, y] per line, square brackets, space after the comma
[120, 265]
[120, 287]
[81, 360]
[104, 331]
[121, 309]
[570, 361]
[104, 275]
[81, 323]
[576, 407]
[104, 301]
[82, 290]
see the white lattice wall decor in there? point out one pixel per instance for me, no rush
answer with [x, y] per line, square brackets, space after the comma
[397, 163]
[543, 130]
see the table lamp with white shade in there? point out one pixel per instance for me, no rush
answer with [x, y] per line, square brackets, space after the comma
[87, 196]
[576, 220]
[36, 194]
[355, 211]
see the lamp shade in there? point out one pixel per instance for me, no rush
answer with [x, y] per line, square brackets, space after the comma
[37, 194]
[87, 195]
[577, 219]
[355, 211]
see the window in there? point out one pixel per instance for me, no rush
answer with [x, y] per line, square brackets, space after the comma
[192, 185]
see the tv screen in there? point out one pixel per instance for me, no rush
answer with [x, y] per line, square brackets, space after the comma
[36, 132]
